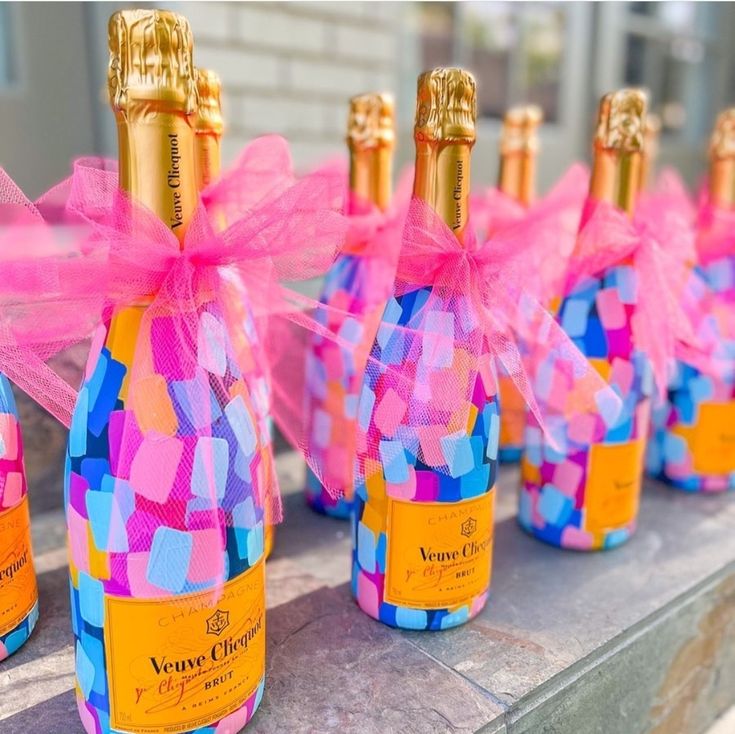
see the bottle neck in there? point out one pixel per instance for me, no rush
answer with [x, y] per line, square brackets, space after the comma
[156, 153]
[615, 178]
[722, 182]
[442, 180]
[517, 176]
[371, 174]
[208, 158]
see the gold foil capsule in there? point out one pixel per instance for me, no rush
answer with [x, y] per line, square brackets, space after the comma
[722, 142]
[371, 121]
[209, 112]
[621, 121]
[446, 106]
[519, 133]
[150, 59]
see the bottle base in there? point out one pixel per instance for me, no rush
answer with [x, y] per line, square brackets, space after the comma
[14, 639]
[422, 620]
[95, 722]
[574, 539]
[699, 484]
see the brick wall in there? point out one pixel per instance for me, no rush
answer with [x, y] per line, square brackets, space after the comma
[290, 68]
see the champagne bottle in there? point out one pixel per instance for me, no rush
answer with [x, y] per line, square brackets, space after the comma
[371, 141]
[209, 129]
[585, 494]
[695, 438]
[423, 527]
[519, 145]
[18, 590]
[650, 150]
[166, 538]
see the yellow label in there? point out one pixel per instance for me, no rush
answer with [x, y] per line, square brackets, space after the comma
[439, 553]
[18, 591]
[179, 664]
[713, 444]
[613, 485]
[512, 413]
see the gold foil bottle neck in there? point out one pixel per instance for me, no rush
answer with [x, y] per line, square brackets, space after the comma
[722, 142]
[150, 59]
[446, 106]
[209, 112]
[519, 133]
[621, 121]
[371, 122]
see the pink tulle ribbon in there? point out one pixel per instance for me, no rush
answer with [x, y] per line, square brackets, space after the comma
[485, 286]
[715, 232]
[672, 300]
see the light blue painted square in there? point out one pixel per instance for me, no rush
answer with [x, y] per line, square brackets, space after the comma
[366, 549]
[98, 377]
[475, 482]
[675, 448]
[525, 509]
[350, 406]
[209, 472]
[255, 544]
[351, 330]
[91, 600]
[493, 437]
[241, 466]
[211, 353]
[168, 564]
[627, 284]
[457, 451]
[412, 619]
[455, 618]
[380, 552]
[574, 317]
[96, 655]
[238, 416]
[244, 514]
[78, 429]
[393, 459]
[365, 407]
[14, 641]
[84, 670]
[554, 507]
[701, 388]
[108, 527]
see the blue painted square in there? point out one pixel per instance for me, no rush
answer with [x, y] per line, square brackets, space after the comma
[91, 600]
[393, 459]
[168, 564]
[554, 506]
[457, 452]
[414, 619]
[574, 317]
[366, 548]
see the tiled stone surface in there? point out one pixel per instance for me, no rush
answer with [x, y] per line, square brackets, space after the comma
[641, 639]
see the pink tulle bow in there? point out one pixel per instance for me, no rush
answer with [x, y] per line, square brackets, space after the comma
[485, 286]
[126, 255]
[671, 299]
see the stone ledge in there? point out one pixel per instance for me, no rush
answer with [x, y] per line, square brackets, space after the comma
[640, 639]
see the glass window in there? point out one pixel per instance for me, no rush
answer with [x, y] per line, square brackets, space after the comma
[7, 67]
[670, 49]
[515, 49]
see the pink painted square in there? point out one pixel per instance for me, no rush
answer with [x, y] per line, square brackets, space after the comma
[405, 490]
[572, 537]
[78, 539]
[567, 477]
[430, 442]
[622, 374]
[389, 413]
[13, 489]
[582, 429]
[9, 435]
[139, 584]
[367, 595]
[207, 557]
[153, 469]
[610, 309]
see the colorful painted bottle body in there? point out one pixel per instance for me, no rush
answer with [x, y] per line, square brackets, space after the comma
[164, 517]
[693, 446]
[423, 527]
[584, 494]
[334, 373]
[18, 590]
